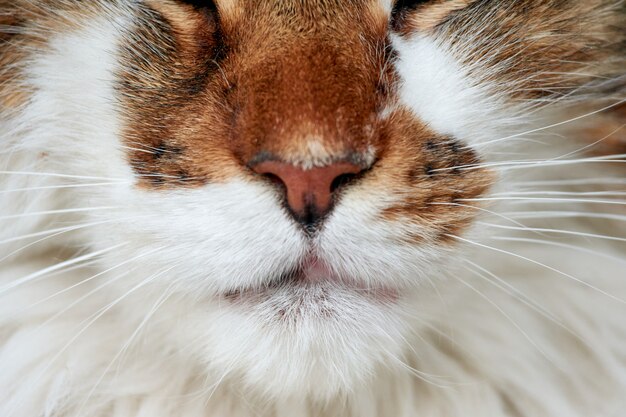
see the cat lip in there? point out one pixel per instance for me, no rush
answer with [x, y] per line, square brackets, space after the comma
[313, 273]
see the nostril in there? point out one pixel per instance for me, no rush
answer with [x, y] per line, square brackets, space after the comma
[274, 179]
[341, 181]
[308, 192]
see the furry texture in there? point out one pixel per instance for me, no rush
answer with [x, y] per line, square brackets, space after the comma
[475, 269]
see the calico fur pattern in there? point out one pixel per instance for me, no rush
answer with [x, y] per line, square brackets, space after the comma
[477, 263]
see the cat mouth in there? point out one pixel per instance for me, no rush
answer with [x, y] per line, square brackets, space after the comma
[313, 276]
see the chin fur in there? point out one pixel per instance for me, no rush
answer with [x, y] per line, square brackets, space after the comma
[317, 342]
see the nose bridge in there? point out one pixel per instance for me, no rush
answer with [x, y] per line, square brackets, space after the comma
[309, 118]
[318, 79]
[310, 91]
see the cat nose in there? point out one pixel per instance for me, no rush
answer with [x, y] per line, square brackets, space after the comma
[309, 192]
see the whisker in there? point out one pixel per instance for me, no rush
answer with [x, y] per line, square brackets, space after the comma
[510, 319]
[499, 215]
[521, 297]
[57, 267]
[583, 181]
[565, 214]
[64, 211]
[557, 231]
[148, 151]
[21, 249]
[564, 274]
[536, 163]
[95, 290]
[64, 229]
[591, 145]
[167, 293]
[563, 193]
[91, 320]
[546, 200]
[151, 148]
[511, 290]
[423, 376]
[573, 119]
[560, 245]
[57, 175]
[61, 187]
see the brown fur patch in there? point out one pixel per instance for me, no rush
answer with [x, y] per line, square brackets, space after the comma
[431, 174]
[541, 49]
[425, 17]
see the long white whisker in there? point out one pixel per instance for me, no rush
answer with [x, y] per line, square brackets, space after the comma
[60, 232]
[57, 175]
[546, 200]
[591, 145]
[63, 211]
[43, 272]
[557, 231]
[519, 295]
[560, 245]
[61, 187]
[499, 215]
[536, 163]
[564, 214]
[51, 231]
[95, 290]
[510, 319]
[573, 119]
[424, 376]
[583, 181]
[564, 274]
[562, 193]
[91, 320]
[132, 337]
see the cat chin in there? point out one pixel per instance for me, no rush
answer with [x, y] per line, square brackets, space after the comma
[316, 341]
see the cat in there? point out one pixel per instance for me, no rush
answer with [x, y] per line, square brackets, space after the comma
[312, 208]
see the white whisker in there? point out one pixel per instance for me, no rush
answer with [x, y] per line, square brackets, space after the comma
[499, 215]
[63, 211]
[563, 193]
[537, 163]
[510, 319]
[583, 181]
[57, 175]
[91, 320]
[57, 267]
[546, 200]
[573, 119]
[166, 294]
[565, 214]
[61, 187]
[564, 274]
[560, 245]
[96, 289]
[557, 231]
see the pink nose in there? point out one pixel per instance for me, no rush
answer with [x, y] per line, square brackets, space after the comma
[309, 192]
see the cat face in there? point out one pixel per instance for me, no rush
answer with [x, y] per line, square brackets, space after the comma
[305, 113]
[300, 171]
[289, 181]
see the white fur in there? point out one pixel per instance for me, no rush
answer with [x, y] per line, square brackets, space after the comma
[147, 334]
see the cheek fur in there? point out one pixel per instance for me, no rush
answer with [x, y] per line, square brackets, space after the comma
[217, 238]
